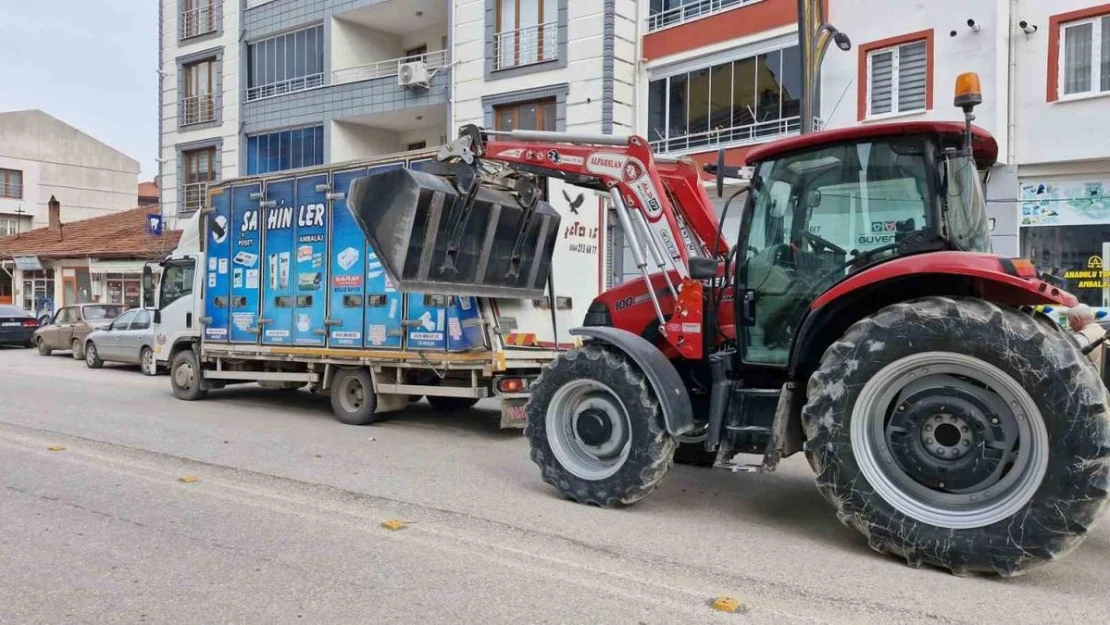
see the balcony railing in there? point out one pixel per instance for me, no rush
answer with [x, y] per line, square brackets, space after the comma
[200, 20]
[737, 135]
[691, 11]
[198, 109]
[11, 191]
[385, 69]
[527, 46]
[193, 197]
[286, 86]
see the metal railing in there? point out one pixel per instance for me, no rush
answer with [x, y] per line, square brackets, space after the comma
[198, 109]
[200, 20]
[286, 86]
[527, 46]
[387, 68]
[691, 11]
[193, 197]
[11, 190]
[739, 135]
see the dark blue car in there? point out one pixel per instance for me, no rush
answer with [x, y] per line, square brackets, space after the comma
[17, 327]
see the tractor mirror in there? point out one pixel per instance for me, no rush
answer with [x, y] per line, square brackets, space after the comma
[702, 268]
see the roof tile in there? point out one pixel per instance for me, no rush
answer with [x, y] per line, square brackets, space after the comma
[119, 235]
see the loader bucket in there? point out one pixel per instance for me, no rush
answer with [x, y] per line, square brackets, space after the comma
[411, 219]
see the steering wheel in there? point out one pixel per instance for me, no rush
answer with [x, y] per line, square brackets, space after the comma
[822, 242]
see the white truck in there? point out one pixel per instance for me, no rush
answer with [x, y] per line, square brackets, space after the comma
[274, 283]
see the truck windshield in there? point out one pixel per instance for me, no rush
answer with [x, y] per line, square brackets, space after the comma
[968, 226]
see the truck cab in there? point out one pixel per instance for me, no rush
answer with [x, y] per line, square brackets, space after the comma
[176, 302]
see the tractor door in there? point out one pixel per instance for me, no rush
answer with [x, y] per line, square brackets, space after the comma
[813, 218]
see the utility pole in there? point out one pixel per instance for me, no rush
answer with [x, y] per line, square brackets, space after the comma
[814, 36]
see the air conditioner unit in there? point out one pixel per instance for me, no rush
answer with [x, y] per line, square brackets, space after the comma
[414, 74]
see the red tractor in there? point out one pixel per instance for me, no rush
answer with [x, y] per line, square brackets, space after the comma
[857, 316]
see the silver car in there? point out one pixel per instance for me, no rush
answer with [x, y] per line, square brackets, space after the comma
[128, 339]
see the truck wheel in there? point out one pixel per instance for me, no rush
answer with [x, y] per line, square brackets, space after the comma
[92, 358]
[75, 349]
[352, 397]
[451, 404]
[960, 434]
[596, 429]
[186, 376]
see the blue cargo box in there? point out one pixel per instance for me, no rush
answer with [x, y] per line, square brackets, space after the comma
[286, 264]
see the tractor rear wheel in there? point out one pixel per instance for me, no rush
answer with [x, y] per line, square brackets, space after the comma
[960, 434]
[596, 428]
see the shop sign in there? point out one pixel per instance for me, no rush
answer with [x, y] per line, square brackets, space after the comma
[1065, 203]
[1095, 276]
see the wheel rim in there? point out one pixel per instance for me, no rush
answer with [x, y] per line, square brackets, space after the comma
[352, 394]
[76, 347]
[588, 429]
[90, 354]
[183, 375]
[147, 360]
[949, 440]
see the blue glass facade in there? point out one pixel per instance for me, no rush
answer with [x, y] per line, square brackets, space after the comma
[285, 149]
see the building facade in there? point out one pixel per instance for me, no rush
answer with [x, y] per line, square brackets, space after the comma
[1045, 73]
[41, 157]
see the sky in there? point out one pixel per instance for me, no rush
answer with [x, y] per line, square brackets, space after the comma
[90, 63]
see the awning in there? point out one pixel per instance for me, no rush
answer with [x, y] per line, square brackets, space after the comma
[115, 266]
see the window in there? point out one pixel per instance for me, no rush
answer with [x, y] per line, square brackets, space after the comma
[124, 289]
[1085, 56]
[198, 169]
[38, 292]
[898, 75]
[141, 321]
[11, 184]
[665, 13]
[535, 115]
[65, 316]
[198, 103]
[177, 282]
[746, 100]
[102, 312]
[415, 54]
[285, 149]
[122, 321]
[527, 32]
[8, 225]
[419, 145]
[198, 17]
[286, 63]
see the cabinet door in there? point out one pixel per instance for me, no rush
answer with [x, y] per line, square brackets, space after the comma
[246, 252]
[311, 261]
[277, 270]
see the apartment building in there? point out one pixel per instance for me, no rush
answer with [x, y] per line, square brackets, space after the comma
[258, 86]
[1045, 72]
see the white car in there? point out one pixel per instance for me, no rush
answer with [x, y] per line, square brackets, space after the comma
[128, 339]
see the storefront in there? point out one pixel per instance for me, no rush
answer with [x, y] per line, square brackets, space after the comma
[1065, 231]
[117, 282]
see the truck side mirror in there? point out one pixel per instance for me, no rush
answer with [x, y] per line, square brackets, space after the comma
[148, 287]
[702, 268]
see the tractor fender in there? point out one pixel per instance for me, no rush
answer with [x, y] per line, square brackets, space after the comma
[670, 389]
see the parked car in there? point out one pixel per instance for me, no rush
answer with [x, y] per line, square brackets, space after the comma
[72, 324]
[17, 327]
[128, 339]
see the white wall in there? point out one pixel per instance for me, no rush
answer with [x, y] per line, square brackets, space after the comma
[431, 36]
[350, 142]
[228, 131]
[88, 177]
[432, 135]
[354, 44]
[984, 52]
[583, 72]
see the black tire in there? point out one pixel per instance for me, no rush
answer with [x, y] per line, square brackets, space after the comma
[91, 356]
[1052, 376]
[650, 447]
[451, 404]
[76, 350]
[186, 376]
[353, 400]
[43, 349]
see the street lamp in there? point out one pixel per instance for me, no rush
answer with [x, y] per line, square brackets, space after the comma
[814, 36]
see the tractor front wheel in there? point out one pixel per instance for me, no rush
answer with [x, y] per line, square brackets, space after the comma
[960, 434]
[596, 428]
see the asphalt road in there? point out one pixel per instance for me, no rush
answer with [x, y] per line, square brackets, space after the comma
[283, 525]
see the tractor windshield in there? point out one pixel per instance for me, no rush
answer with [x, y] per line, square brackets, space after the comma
[966, 207]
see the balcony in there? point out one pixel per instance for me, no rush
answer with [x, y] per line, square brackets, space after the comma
[389, 67]
[526, 46]
[193, 197]
[365, 136]
[199, 109]
[285, 86]
[199, 20]
[758, 132]
[692, 11]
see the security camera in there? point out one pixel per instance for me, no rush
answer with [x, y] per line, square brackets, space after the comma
[1028, 28]
[973, 25]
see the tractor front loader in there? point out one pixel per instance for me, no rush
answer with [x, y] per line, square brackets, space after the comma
[858, 316]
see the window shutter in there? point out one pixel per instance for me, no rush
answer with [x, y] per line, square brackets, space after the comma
[912, 76]
[881, 83]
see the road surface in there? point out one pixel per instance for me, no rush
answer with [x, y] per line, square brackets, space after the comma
[283, 524]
